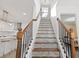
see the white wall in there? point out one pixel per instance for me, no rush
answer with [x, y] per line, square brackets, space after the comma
[67, 6]
[7, 46]
[36, 8]
[6, 26]
[55, 26]
[54, 18]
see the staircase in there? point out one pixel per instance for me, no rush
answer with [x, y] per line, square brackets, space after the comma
[45, 45]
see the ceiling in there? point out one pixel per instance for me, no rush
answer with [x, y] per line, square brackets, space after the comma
[67, 6]
[66, 16]
[47, 2]
[68, 3]
[22, 10]
[19, 10]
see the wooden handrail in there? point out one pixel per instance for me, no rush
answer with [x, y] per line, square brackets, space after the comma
[63, 25]
[27, 26]
[31, 22]
[20, 36]
[73, 50]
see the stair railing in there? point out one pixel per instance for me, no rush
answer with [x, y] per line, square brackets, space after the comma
[24, 39]
[67, 40]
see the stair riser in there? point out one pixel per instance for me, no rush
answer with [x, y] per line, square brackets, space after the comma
[45, 57]
[45, 49]
[45, 36]
[45, 32]
[45, 20]
[45, 46]
[45, 28]
[46, 54]
[45, 23]
[46, 40]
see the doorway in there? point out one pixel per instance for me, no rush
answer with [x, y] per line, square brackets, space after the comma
[45, 12]
[69, 21]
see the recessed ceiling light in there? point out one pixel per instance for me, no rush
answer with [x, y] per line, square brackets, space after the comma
[10, 24]
[5, 10]
[24, 13]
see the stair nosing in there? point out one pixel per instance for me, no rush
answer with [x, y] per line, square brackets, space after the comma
[47, 37]
[45, 27]
[44, 57]
[46, 43]
[45, 30]
[46, 33]
[45, 49]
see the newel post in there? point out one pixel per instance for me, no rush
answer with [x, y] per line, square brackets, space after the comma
[19, 42]
[72, 38]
